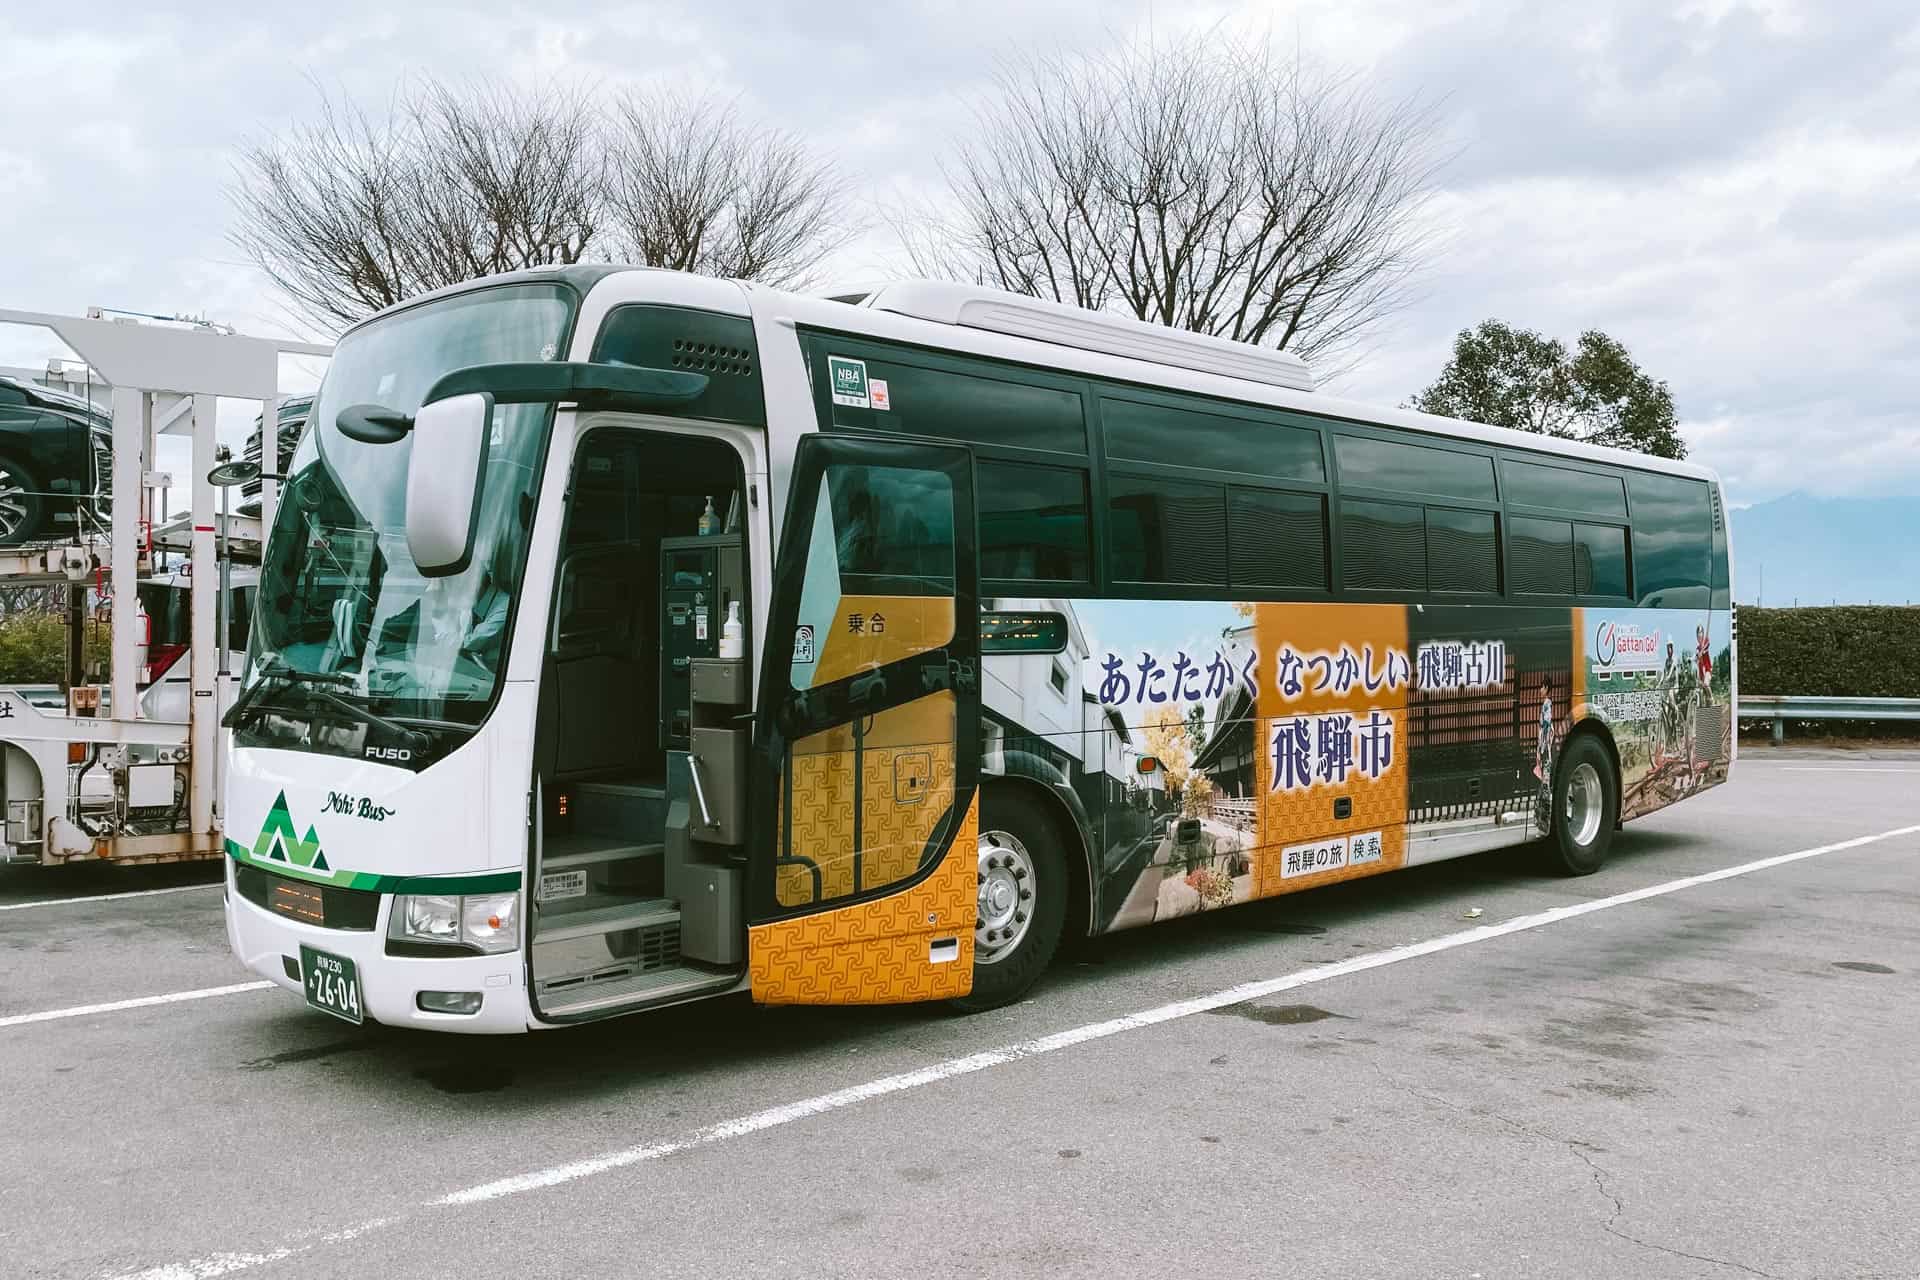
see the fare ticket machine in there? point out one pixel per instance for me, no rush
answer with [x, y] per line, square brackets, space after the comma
[699, 578]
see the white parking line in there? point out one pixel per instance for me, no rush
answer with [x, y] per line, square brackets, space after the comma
[105, 897]
[138, 1002]
[774, 1117]
[1840, 768]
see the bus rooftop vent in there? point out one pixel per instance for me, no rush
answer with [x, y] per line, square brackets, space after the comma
[1022, 317]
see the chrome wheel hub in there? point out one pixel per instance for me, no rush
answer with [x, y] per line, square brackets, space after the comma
[13, 503]
[1585, 805]
[1005, 900]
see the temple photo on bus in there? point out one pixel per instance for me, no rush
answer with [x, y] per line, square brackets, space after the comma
[626, 638]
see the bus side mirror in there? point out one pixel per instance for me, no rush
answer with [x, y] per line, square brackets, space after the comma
[444, 476]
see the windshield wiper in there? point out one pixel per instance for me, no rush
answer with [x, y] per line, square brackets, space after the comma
[277, 670]
[412, 737]
[286, 677]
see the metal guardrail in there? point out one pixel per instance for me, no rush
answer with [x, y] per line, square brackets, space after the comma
[1780, 710]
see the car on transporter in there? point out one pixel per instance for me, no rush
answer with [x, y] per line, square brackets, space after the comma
[293, 420]
[55, 461]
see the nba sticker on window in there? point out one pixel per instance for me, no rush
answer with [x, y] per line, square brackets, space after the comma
[849, 378]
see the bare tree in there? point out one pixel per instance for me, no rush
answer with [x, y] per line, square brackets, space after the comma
[350, 213]
[693, 187]
[506, 180]
[1205, 185]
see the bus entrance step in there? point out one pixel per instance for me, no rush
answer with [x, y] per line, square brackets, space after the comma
[606, 942]
[575, 866]
[596, 915]
[564, 999]
[570, 853]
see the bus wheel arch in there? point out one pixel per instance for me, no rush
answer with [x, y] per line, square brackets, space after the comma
[1584, 803]
[1595, 727]
[1022, 850]
[1073, 846]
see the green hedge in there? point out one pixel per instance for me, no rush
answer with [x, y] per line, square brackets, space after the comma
[1846, 651]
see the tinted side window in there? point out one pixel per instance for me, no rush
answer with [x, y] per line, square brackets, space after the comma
[1534, 484]
[1599, 560]
[975, 406]
[1413, 468]
[1033, 521]
[892, 522]
[1166, 530]
[1541, 562]
[1383, 546]
[1277, 539]
[1672, 541]
[1463, 551]
[1152, 433]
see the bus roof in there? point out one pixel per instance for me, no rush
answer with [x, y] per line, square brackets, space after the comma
[1085, 342]
[871, 318]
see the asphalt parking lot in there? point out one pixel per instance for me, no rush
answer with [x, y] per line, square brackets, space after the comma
[1698, 1062]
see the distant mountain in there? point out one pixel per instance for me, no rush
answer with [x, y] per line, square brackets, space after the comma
[1823, 550]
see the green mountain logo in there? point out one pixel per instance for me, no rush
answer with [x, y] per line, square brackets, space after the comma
[278, 843]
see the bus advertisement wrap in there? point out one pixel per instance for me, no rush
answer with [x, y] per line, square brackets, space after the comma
[1303, 744]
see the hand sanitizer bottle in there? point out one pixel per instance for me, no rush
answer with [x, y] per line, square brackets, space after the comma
[709, 519]
[732, 641]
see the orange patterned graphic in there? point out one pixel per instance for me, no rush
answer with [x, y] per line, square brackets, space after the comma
[1334, 684]
[906, 761]
[877, 952]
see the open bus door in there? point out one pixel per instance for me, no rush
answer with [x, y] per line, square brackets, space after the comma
[862, 881]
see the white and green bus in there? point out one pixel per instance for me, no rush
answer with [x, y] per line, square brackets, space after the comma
[627, 638]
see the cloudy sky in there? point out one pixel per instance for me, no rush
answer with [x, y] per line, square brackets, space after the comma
[1730, 187]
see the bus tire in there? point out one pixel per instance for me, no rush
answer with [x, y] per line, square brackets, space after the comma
[1586, 805]
[1022, 903]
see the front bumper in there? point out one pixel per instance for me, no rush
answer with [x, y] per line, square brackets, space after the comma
[389, 985]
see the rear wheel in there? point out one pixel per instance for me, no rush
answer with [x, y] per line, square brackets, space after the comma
[21, 503]
[1585, 807]
[1021, 902]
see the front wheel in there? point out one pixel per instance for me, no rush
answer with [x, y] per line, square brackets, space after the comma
[1021, 902]
[1585, 807]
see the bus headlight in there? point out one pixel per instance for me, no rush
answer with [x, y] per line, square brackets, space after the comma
[423, 918]
[485, 922]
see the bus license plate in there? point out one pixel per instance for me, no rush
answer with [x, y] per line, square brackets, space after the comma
[333, 984]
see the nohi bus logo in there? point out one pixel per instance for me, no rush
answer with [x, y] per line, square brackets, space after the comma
[278, 843]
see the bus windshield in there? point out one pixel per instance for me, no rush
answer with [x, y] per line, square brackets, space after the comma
[339, 596]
